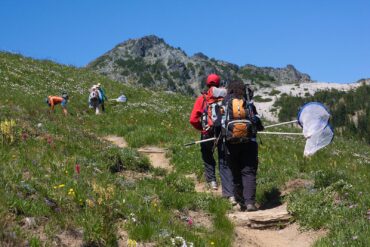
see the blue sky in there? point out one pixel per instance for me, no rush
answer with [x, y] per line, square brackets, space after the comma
[328, 39]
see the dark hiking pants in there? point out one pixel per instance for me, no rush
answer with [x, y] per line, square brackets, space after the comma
[210, 166]
[243, 160]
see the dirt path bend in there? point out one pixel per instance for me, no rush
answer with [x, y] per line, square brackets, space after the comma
[156, 155]
[117, 140]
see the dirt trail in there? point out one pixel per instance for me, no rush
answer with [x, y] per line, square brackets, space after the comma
[156, 155]
[265, 228]
[117, 140]
[289, 236]
[277, 217]
[245, 222]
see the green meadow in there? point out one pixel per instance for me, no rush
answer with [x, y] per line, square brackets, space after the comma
[39, 152]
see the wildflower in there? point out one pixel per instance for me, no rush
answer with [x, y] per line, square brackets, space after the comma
[212, 243]
[109, 192]
[24, 136]
[59, 186]
[178, 241]
[355, 237]
[190, 221]
[132, 217]
[71, 192]
[7, 130]
[90, 203]
[49, 140]
[131, 243]
[77, 168]
[100, 200]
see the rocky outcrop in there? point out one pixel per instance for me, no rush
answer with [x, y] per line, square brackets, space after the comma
[286, 75]
[151, 62]
[364, 81]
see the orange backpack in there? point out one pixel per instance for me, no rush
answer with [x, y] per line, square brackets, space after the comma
[238, 124]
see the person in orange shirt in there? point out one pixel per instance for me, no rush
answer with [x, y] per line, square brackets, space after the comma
[55, 100]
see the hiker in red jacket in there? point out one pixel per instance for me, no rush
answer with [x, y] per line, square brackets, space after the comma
[201, 119]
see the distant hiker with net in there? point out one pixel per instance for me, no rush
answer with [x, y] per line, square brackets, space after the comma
[240, 123]
[55, 100]
[202, 118]
[103, 97]
[95, 99]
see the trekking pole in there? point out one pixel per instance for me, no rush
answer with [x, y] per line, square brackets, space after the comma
[280, 133]
[278, 124]
[201, 141]
[216, 142]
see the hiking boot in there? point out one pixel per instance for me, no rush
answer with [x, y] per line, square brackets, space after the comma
[213, 185]
[232, 200]
[251, 208]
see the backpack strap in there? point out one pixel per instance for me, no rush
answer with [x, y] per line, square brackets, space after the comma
[205, 103]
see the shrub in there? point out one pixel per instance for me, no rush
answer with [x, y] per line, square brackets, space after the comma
[259, 98]
[274, 92]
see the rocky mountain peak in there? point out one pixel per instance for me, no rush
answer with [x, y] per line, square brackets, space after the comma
[200, 55]
[151, 62]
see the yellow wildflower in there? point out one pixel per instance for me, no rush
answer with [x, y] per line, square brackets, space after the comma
[58, 186]
[7, 130]
[131, 243]
[71, 192]
[100, 200]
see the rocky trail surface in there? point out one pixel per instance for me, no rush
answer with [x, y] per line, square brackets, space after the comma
[270, 228]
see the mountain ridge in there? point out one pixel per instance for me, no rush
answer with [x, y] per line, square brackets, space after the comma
[150, 61]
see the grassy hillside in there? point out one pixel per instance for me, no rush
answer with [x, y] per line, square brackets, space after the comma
[39, 152]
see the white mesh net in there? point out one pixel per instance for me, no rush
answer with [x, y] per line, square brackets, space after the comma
[121, 98]
[314, 117]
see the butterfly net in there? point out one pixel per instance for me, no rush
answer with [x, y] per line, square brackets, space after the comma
[314, 119]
